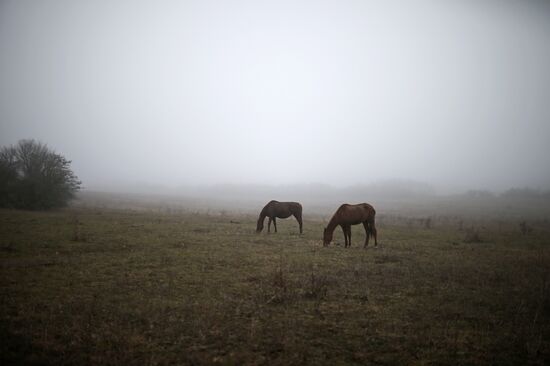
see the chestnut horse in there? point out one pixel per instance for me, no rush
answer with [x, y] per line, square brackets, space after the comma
[281, 210]
[348, 215]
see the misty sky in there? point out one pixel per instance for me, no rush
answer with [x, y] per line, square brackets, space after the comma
[453, 93]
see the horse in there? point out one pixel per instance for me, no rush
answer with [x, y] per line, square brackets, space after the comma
[282, 210]
[348, 215]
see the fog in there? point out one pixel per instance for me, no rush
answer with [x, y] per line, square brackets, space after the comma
[454, 94]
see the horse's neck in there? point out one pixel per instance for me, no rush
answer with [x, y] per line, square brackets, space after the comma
[262, 216]
[332, 224]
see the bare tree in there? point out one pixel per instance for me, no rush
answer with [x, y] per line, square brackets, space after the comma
[34, 177]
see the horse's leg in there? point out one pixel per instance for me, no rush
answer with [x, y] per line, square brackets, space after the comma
[367, 232]
[275, 224]
[373, 232]
[299, 219]
[345, 236]
[269, 225]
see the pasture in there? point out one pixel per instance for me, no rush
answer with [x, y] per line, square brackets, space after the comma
[92, 286]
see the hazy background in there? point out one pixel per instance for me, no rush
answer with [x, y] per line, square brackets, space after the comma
[454, 94]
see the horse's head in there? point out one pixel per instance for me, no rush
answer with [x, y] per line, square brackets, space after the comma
[327, 237]
[260, 226]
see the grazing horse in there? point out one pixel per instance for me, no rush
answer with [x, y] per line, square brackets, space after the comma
[348, 215]
[281, 210]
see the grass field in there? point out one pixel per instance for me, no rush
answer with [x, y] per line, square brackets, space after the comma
[92, 287]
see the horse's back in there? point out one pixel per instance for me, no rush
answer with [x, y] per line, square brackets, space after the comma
[289, 208]
[286, 205]
[346, 207]
[369, 208]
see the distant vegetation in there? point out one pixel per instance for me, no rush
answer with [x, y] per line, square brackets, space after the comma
[406, 198]
[34, 177]
[394, 193]
[526, 193]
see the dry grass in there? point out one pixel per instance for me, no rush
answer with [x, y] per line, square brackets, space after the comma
[119, 287]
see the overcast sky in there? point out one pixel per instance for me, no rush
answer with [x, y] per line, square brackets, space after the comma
[452, 93]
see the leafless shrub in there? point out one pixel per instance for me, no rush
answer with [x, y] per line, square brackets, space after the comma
[279, 285]
[77, 234]
[525, 228]
[472, 236]
[318, 287]
[428, 223]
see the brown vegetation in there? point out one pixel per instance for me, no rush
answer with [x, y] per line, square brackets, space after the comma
[159, 289]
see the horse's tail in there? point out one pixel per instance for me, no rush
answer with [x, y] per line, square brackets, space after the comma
[370, 224]
[298, 209]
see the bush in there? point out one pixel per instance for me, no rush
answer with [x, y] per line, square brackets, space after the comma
[34, 177]
[472, 236]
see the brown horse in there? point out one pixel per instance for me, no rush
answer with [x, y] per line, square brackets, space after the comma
[281, 210]
[348, 215]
